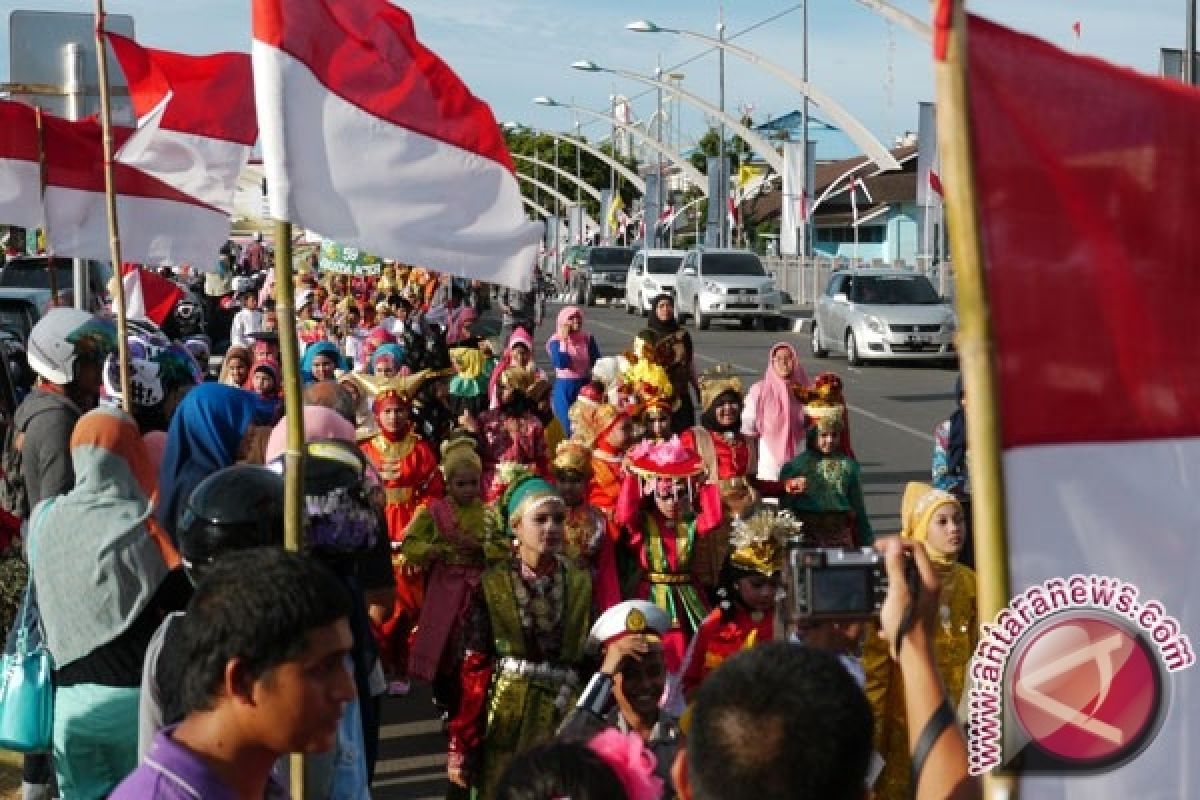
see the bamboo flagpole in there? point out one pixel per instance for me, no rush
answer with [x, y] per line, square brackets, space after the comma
[51, 270]
[974, 326]
[110, 195]
[293, 405]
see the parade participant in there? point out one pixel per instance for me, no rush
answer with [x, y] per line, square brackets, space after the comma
[266, 346]
[511, 432]
[452, 538]
[468, 385]
[519, 354]
[260, 678]
[934, 517]
[386, 360]
[376, 337]
[431, 412]
[308, 327]
[264, 382]
[608, 431]
[586, 542]
[656, 507]
[950, 465]
[247, 321]
[102, 585]
[321, 360]
[774, 412]
[206, 434]
[675, 353]
[364, 420]
[573, 352]
[750, 579]
[656, 418]
[552, 429]
[525, 642]
[831, 505]
[624, 693]
[408, 467]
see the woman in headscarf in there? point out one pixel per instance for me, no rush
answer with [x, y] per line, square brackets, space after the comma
[950, 464]
[774, 411]
[674, 352]
[573, 352]
[518, 353]
[206, 434]
[386, 360]
[98, 567]
[468, 385]
[320, 361]
[268, 393]
[235, 366]
[933, 517]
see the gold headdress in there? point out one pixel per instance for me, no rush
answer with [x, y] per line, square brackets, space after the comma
[458, 454]
[518, 379]
[757, 543]
[825, 404]
[590, 420]
[717, 381]
[573, 456]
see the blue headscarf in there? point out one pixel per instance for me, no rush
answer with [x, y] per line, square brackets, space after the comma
[317, 349]
[389, 349]
[204, 437]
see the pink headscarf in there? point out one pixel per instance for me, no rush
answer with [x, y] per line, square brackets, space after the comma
[519, 336]
[319, 423]
[780, 415]
[575, 347]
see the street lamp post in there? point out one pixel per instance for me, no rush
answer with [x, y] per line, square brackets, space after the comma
[722, 163]
[652, 224]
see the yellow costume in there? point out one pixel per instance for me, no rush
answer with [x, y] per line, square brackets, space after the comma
[955, 637]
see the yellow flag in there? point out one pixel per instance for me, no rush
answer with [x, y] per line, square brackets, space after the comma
[745, 174]
[616, 205]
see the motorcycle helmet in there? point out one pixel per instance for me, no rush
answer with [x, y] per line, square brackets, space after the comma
[235, 508]
[53, 342]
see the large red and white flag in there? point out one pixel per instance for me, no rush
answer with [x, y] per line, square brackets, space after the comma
[196, 120]
[1092, 280]
[20, 180]
[369, 138]
[148, 296]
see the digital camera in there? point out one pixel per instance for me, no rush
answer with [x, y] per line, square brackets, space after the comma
[833, 585]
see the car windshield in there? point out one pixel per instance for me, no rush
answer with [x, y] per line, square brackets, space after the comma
[32, 273]
[893, 290]
[732, 264]
[610, 256]
[663, 265]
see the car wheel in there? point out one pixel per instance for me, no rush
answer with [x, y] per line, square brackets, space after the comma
[817, 350]
[852, 355]
[702, 322]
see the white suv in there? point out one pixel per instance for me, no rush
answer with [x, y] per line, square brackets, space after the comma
[652, 273]
[731, 284]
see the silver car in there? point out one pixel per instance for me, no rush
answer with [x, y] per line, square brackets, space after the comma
[877, 314]
[652, 273]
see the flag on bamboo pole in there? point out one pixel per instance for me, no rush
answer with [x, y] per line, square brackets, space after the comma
[1089, 283]
[196, 122]
[20, 171]
[405, 162]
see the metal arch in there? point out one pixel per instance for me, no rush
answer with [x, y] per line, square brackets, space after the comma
[624, 171]
[540, 209]
[587, 187]
[564, 201]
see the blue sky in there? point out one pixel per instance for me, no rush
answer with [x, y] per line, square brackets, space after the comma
[508, 51]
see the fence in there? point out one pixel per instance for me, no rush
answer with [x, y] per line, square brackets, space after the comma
[804, 279]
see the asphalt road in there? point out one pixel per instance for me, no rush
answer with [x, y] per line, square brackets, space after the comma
[893, 410]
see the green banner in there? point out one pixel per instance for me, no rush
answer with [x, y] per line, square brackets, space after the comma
[347, 260]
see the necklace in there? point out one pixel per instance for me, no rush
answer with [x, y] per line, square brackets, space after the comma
[540, 606]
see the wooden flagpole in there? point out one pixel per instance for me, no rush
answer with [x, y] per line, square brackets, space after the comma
[110, 196]
[293, 405]
[51, 270]
[975, 345]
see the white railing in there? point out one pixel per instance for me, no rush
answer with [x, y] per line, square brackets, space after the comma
[803, 279]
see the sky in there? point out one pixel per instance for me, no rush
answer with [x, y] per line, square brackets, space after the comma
[509, 51]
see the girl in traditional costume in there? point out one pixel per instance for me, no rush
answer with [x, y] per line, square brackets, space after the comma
[511, 432]
[525, 643]
[932, 516]
[586, 542]
[518, 354]
[674, 351]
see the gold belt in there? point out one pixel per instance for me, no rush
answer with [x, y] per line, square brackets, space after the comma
[397, 496]
[668, 577]
[737, 483]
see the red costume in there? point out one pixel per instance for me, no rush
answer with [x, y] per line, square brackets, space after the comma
[718, 638]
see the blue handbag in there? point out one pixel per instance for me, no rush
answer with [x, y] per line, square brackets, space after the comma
[27, 683]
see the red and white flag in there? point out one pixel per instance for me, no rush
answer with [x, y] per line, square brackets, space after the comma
[20, 179]
[370, 138]
[935, 183]
[147, 295]
[731, 209]
[1094, 333]
[196, 122]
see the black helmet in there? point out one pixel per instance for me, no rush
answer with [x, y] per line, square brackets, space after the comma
[236, 508]
[339, 518]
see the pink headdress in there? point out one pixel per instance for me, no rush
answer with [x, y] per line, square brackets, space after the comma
[627, 756]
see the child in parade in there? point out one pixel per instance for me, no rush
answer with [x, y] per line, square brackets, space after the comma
[586, 542]
[264, 382]
[409, 470]
[934, 517]
[525, 642]
[511, 432]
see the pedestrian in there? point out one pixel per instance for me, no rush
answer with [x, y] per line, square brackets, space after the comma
[774, 411]
[320, 362]
[102, 584]
[674, 351]
[573, 353]
[263, 673]
[247, 321]
[161, 372]
[235, 367]
[265, 383]
[525, 643]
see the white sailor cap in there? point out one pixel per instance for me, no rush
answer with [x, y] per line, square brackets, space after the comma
[629, 617]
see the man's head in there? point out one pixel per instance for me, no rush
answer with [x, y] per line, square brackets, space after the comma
[265, 644]
[777, 722]
[67, 347]
[630, 635]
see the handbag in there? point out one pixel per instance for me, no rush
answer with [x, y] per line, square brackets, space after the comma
[27, 684]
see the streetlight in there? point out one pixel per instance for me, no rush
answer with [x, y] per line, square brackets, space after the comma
[617, 166]
[689, 171]
[857, 132]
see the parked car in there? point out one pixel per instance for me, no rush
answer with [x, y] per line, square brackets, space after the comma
[602, 274]
[31, 272]
[727, 284]
[877, 314]
[20, 309]
[651, 273]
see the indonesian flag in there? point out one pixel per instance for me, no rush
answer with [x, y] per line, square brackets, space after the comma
[148, 296]
[196, 122]
[1094, 332]
[935, 183]
[369, 138]
[732, 211]
[20, 170]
